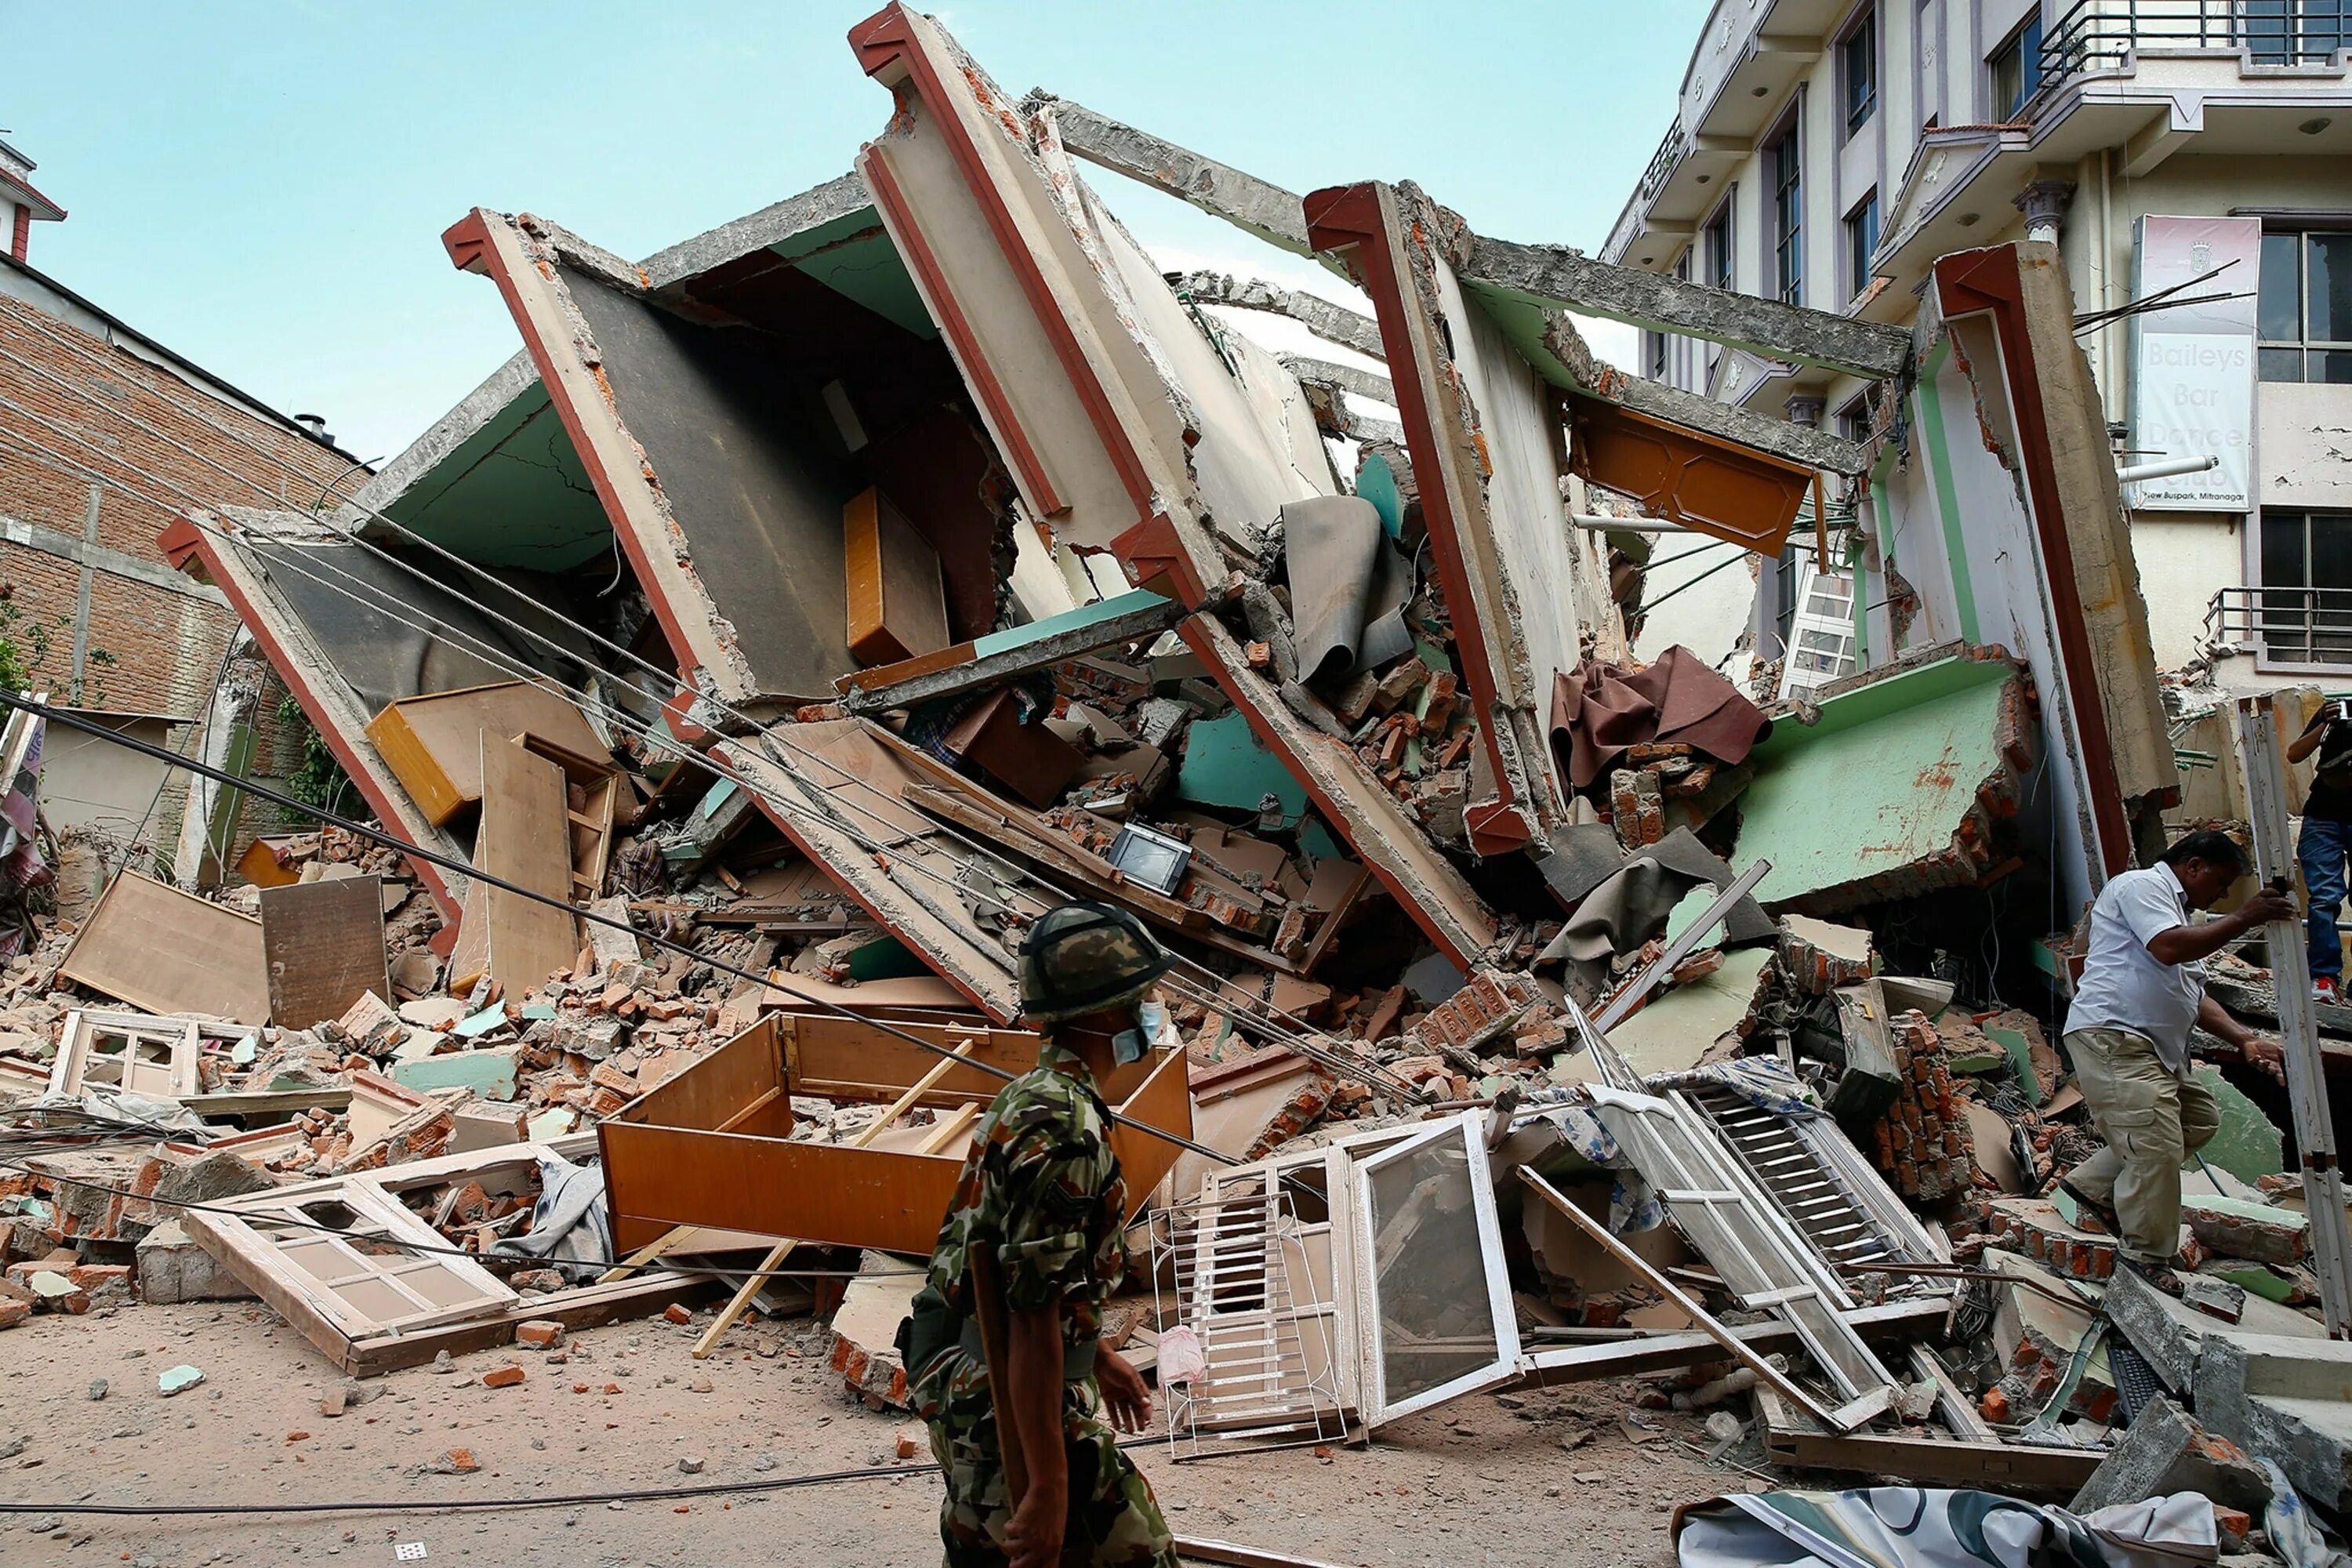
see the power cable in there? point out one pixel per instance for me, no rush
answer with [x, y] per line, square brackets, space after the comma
[757, 728]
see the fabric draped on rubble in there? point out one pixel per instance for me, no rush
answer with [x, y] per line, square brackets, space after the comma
[1912, 1527]
[1598, 711]
[1630, 908]
[569, 1227]
[1631, 1205]
[1349, 588]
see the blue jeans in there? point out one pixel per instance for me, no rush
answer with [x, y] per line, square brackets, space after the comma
[2322, 848]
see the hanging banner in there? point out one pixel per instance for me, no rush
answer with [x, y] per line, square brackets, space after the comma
[2192, 364]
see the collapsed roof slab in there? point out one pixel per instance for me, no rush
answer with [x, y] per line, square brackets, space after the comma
[798, 224]
[1488, 440]
[1001, 656]
[1242, 199]
[1893, 790]
[2041, 535]
[1423, 882]
[495, 480]
[195, 545]
[1122, 427]
[1331, 321]
[731, 519]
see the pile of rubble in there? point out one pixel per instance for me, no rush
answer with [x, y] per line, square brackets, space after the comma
[1646, 1026]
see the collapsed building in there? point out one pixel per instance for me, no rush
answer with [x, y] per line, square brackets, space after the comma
[814, 603]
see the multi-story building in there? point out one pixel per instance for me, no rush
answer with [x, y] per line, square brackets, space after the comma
[105, 435]
[1827, 151]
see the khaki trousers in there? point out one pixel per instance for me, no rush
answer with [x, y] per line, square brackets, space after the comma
[2152, 1121]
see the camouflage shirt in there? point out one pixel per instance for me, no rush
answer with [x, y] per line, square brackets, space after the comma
[1042, 1186]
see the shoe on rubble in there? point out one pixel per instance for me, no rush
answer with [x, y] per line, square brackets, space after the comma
[2156, 1271]
[2323, 989]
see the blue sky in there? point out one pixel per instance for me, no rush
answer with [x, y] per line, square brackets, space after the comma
[263, 185]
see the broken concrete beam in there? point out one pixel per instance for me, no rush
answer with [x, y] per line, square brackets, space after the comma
[2236, 1227]
[2167, 1451]
[477, 1125]
[170, 1268]
[1248, 202]
[2289, 1400]
[1564, 279]
[1813, 447]
[1333, 323]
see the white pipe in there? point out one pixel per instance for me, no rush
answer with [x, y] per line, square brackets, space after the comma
[1593, 523]
[2165, 467]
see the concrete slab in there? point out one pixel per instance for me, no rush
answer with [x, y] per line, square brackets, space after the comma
[2249, 1145]
[2287, 1399]
[488, 1073]
[1676, 1029]
[2175, 1338]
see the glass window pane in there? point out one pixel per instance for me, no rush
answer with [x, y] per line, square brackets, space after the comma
[2329, 271]
[2283, 549]
[2331, 550]
[2280, 364]
[1428, 1272]
[2284, 630]
[2279, 308]
[2331, 365]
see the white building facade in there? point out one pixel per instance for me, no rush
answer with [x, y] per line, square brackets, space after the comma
[1826, 153]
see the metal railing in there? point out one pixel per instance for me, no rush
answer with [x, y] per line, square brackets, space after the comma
[2098, 34]
[2285, 626]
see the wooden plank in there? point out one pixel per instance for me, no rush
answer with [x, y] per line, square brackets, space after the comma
[170, 952]
[757, 1281]
[322, 944]
[524, 840]
[433, 743]
[276, 1102]
[1941, 1460]
[1199, 1549]
[584, 1308]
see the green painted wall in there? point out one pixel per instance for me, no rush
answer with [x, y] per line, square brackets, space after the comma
[1880, 781]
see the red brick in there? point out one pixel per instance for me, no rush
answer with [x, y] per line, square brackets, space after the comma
[678, 1314]
[540, 1333]
[502, 1377]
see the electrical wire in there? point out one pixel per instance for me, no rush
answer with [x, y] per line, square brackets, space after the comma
[766, 732]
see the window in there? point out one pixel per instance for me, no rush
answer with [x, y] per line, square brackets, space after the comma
[1653, 354]
[2306, 595]
[1788, 220]
[1854, 420]
[2303, 314]
[1858, 71]
[1860, 243]
[2016, 68]
[1823, 644]
[2295, 32]
[1718, 249]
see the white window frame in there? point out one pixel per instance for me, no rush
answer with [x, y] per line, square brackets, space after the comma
[1796, 682]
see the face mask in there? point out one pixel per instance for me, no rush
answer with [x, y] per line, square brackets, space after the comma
[1132, 1045]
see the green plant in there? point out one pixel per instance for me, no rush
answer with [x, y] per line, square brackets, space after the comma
[26, 643]
[319, 781]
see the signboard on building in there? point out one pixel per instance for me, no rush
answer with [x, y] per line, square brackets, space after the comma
[2192, 364]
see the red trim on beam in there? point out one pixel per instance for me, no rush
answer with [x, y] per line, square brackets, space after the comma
[1246, 702]
[1989, 282]
[818, 858]
[471, 249]
[885, 42]
[882, 184]
[1348, 221]
[184, 543]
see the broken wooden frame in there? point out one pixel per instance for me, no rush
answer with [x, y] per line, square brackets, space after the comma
[375, 1287]
[713, 1147]
[433, 742]
[168, 952]
[134, 1052]
[1794, 1439]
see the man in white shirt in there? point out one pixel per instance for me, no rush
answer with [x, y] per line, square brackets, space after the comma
[2142, 989]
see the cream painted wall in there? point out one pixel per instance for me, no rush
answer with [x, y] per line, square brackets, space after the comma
[2303, 448]
[2182, 558]
[1708, 619]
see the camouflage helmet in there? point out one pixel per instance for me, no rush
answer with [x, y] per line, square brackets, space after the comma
[1082, 958]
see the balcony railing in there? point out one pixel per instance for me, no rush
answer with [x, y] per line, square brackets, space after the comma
[1663, 162]
[2284, 626]
[2097, 34]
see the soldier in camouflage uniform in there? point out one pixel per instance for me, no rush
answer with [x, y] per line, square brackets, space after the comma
[1042, 1188]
